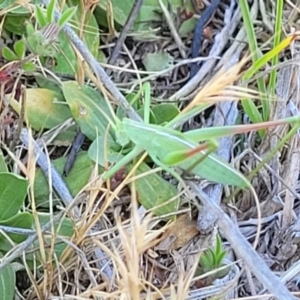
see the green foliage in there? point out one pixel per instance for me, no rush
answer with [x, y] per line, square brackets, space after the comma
[20, 48]
[18, 54]
[63, 228]
[158, 61]
[11, 199]
[259, 60]
[212, 259]
[9, 54]
[45, 108]
[50, 11]
[40, 16]
[153, 191]
[89, 109]
[16, 23]
[19, 220]
[7, 282]
[43, 41]
[11, 202]
[277, 40]
[13, 215]
[150, 13]
[66, 16]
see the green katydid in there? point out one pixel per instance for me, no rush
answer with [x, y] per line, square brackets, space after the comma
[170, 147]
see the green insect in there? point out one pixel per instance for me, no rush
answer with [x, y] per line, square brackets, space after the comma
[168, 147]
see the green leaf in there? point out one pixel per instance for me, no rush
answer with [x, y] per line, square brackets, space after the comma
[222, 273]
[28, 66]
[75, 181]
[11, 198]
[220, 257]
[218, 245]
[20, 48]
[42, 108]
[29, 29]
[187, 27]
[255, 54]
[206, 261]
[32, 44]
[211, 254]
[15, 23]
[7, 282]
[152, 190]
[66, 16]
[159, 114]
[89, 109]
[277, 39]
[21, 220]
[51, 10]
[40, 16]
[156, 62]
[66, 62]
[8, 54]
[164, 113]
[16, 8]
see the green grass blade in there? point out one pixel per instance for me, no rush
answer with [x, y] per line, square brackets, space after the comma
[277, 38]
[249, 107]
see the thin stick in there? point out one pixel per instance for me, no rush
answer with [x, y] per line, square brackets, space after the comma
[173, 30]
[17, 252]
[131, 18]
[58, 183]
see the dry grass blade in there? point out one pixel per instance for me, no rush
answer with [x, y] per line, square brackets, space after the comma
[221, 86]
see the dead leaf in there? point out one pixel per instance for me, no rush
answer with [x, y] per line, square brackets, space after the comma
[178, 234]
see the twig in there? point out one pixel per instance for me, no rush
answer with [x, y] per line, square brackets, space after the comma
[243, 249]
[77, 143]
[17, 230]
[94, 64]
[57, 181]
[131, 18]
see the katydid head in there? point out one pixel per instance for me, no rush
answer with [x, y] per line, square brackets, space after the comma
[121, 137]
